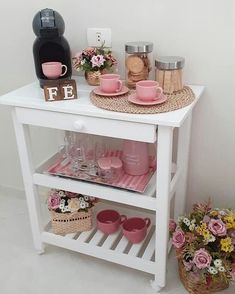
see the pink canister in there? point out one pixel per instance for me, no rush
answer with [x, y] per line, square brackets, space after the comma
[135, 158]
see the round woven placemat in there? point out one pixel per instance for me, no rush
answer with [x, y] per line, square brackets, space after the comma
[120, 103]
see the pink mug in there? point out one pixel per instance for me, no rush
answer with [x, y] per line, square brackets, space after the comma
[110, 83]
[135, 229]
[53, 70]
[109, 221]
[148, 90]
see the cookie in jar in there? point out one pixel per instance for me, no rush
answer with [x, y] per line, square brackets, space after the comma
[169, 73]
[138, 62]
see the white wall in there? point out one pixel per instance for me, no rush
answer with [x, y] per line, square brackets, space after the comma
[202, 31]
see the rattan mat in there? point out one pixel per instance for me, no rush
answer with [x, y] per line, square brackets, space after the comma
[120, 103]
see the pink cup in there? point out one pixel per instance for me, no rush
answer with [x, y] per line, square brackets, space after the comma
[109, 221]
[110, 83]
[135, 229]
[148, 90]
[53, 70]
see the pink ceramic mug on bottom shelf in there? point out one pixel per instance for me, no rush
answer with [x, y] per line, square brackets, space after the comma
[148, 90]
[135, 229]
[109, 221]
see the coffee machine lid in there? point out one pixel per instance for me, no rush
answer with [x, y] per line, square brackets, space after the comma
[48, 23]
[47, 18]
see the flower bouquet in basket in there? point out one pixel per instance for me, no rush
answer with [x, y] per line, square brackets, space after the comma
[94, 61]
[204, 243]
[70, 212]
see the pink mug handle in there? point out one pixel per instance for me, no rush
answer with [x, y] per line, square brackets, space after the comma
[120, 85]
[147, 221]
[122, 219]
[65, 70]
[159, 92]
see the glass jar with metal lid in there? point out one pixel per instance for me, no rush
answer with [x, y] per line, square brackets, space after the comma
[138, 61]
[169, 73]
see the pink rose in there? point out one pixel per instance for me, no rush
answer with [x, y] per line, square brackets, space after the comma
[217, 227]
[53, 201]
[233, 273]
[97, 61]
[178, 239]
[202, 258]
[172, 225]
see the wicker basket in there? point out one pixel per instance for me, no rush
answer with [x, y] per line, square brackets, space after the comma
[66, 223]
[197, 287]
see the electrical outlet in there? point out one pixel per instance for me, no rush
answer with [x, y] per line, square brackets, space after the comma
[99, 36]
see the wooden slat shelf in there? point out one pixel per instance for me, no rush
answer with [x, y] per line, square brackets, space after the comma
[110, 247]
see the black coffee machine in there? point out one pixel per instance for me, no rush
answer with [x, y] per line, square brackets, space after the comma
[50, 45]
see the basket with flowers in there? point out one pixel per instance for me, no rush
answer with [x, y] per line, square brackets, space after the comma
[70, 212]
[204, 243]
[94, 61]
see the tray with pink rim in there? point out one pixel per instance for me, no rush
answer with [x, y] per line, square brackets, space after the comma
[64, 168]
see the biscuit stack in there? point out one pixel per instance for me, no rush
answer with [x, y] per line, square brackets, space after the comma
[138, 63]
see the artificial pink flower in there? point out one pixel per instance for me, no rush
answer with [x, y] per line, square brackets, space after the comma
[53, 201]
[89, 51]
[172, 225]
[217, 227]
[111, 58]
[202, 258]
[178, 239]
[79, 56]
[70, 194]
[97, 61]
[206, 219]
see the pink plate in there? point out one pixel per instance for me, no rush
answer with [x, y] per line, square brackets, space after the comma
[98, 91]
[134, 99]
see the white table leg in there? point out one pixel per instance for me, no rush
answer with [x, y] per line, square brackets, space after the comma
[164, 162]
[31, 190]
[182, 163]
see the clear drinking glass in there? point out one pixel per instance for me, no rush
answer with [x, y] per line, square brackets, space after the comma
[100, 149]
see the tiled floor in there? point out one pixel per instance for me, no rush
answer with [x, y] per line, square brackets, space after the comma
[60, 271]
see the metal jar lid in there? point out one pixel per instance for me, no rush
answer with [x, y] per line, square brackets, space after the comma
[138, 47]
[169, 62]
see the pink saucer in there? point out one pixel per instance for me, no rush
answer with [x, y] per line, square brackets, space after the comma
[99, 92]
[134, 99]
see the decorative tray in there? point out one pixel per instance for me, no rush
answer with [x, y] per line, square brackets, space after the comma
[63, 168]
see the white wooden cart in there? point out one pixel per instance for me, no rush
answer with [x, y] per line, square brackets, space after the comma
[29, 108]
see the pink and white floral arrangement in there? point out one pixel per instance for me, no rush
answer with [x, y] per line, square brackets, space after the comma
[94, 59]
[66, 202]
[205, 243]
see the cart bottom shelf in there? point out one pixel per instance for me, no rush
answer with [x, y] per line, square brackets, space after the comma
[114, 248]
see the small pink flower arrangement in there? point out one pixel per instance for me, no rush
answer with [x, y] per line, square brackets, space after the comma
[93, 59]
[66, 202]
[205, 243]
